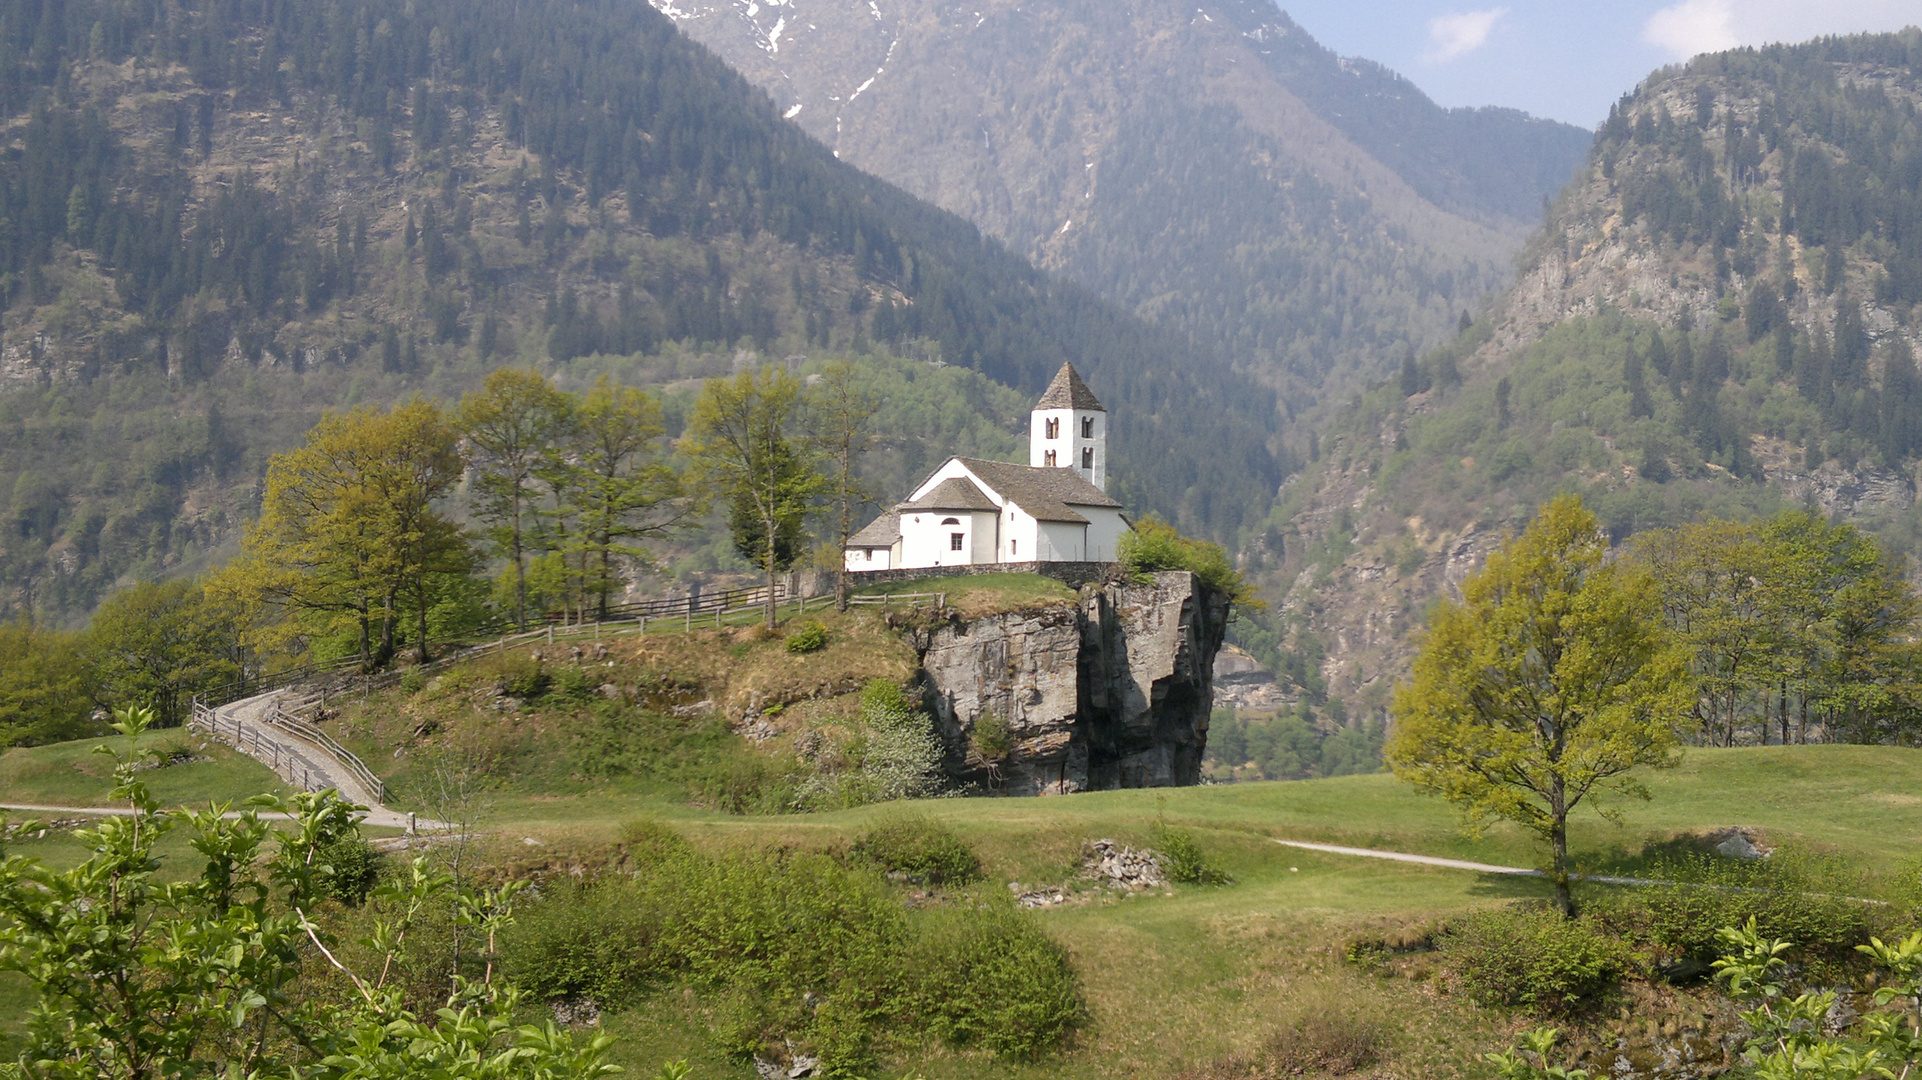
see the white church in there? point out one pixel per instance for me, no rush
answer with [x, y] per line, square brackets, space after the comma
[971, 512]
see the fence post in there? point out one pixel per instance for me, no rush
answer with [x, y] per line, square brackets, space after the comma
[550, 633]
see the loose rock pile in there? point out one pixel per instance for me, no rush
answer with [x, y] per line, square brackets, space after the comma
[1112, 864]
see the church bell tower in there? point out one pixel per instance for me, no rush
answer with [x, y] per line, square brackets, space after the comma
[1070, 429]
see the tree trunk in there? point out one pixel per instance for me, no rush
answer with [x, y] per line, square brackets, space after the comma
[520, 564]
[1558, 842]
[767, 561]
[421, 613]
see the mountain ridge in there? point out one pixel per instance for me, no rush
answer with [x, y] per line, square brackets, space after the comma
[1158, 155]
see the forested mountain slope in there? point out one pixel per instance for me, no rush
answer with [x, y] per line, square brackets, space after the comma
[217, 219]
[1212, 167]
[1721, 317]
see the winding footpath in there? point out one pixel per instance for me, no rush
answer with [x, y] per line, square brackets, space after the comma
[1455, 864]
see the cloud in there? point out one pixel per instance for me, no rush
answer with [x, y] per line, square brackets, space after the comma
[1691, 27]
[1697, 26]
[1450, 36]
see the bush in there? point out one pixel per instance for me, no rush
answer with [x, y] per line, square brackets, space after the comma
[1532, 958]
[896, 755]
[570, 685]
[1793, 895]
[755, 930]
[920, 848]
[1183, 858]
[809, 637]
[1153, 545]
[647, 842]
[356, 869]
[519, 676]
[990, 739]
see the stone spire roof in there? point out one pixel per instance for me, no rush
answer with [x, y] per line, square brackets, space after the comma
[1067, 391]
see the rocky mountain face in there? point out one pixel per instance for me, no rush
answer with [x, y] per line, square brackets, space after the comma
[1212, 167]
[217, 220]
[1720, 318]
[1114, 691]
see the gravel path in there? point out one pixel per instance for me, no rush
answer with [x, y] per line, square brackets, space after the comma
[1452, 864]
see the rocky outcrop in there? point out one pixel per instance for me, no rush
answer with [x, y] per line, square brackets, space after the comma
[1112, 691]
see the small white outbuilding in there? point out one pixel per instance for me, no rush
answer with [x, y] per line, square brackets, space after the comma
[970, 512]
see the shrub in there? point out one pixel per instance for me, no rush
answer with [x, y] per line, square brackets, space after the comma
[647, 841]
[896, 756]
[1335, 1040]
[571, 684]
[920, 848]
[519, 676]
[356, 867]
[1153, 545]
[754, 930]
[990, 739]
[412, 681]
[1793, 895]
[809, 637]
[1183, 858]
[1533, 958]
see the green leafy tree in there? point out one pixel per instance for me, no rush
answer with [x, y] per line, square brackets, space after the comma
[510, 425]
[159, 643]
[743, 442]
[142, 974]
[1552, 677]
[350, 529]
[44, 691]
[842, 411]
[623, 489]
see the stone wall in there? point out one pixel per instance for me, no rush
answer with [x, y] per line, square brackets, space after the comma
[1112, 691]
[1073, 574]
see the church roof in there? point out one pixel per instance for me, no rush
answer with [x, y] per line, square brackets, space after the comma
[879, 533]
[1048, 494]
[954, 493]
[1067, 391]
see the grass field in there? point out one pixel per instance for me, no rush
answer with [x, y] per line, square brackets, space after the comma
[1180, 977]
[71, 774]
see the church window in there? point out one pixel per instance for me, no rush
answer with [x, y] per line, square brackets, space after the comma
[1014, 546]
[954, 541]
[950, 521]
[1052, 427]
[1048, 458]
[868, 554]
[1087, 427]
[1087, 458]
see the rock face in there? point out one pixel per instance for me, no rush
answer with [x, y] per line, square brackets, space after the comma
[1111, 692]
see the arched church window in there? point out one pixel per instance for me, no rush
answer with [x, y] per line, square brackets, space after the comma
[1087, 457]
[1087, 427]
[1051, 427]
[950, 521]
[1048, 458]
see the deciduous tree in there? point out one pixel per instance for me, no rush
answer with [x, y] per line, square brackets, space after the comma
[623, 488]
[349, 528]
[743, 441]
[155, 644]
[1553, 677]
[510, 425]
[841, 412]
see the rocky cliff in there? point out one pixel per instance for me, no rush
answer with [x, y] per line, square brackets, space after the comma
[1111, 691]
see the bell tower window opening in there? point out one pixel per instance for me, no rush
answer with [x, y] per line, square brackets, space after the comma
[1087, 427]
[1049, 458]
[1051, 427]
[1087, 457]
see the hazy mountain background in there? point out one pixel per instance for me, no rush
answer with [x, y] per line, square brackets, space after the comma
[1721, 317]
[218, 219]
[1210, 167]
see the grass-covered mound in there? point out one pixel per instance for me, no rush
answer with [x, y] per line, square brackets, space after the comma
[183, 770]
[801, 953]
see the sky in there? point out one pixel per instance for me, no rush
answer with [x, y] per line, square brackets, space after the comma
[1568, 59]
